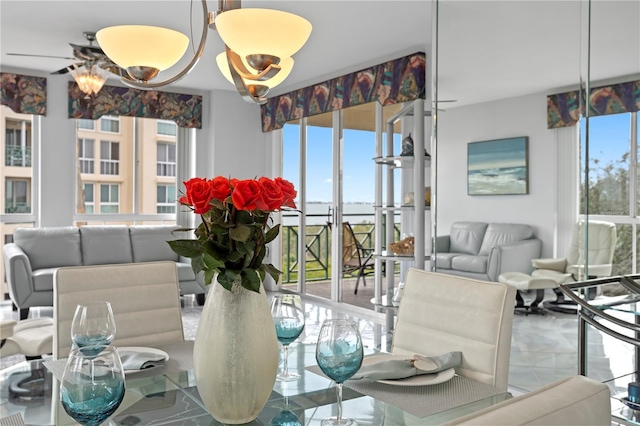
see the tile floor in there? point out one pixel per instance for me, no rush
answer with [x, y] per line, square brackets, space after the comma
[544, 348]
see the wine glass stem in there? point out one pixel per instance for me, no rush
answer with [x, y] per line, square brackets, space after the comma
[339, 402]
[285, 360]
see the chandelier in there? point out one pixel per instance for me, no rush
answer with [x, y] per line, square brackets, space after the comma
[90, 81]
[259, 45]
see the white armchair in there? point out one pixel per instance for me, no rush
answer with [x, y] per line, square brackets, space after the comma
[600, 240]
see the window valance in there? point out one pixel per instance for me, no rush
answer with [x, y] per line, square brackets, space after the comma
[184, 110]
[400, 80]
[24, 94]
[563, 109]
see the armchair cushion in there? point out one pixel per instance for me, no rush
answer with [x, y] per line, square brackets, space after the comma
[466, 237]
[558, 265]
[50, 247]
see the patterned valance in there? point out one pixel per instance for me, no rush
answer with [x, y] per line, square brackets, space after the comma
[400, 80]
[563, 109]
[184, 110]
[24, 94]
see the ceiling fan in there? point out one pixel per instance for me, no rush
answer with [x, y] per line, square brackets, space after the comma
[88, 55]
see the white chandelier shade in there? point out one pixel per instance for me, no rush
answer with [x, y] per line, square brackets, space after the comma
[142, 46]
[263, 31]
[89, 81]
[286, 65]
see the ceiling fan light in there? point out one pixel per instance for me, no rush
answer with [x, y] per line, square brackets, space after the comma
[132, 46]
[263, 31]
[286, 65]
[89, 81]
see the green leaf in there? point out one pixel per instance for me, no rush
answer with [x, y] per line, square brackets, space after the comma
[187, 248]
[272, 234]
[208, 276]
[250, 280]
[271, 270]
[234, 256]
[240, 233]
[226, 278]
[212, 262]
[197, 264]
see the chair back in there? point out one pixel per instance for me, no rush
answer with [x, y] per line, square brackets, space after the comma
[351, 249]
[145, 299]
[575, 400]
[441, 313]
[600, 247]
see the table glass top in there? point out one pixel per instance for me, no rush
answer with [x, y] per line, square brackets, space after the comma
[172, 398]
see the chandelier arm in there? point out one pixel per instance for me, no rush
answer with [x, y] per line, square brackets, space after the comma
[235, 61]
[241, 86]
[196, 57]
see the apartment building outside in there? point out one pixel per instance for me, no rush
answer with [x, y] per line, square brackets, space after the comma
[126, 167]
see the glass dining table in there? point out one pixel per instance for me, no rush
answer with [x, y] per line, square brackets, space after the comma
[168, 396]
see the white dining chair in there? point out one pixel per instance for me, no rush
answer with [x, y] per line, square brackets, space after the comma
[571, 401]
[442, 313]
[145, 298]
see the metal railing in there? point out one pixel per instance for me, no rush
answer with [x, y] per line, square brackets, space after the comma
[17, 156]
[318, 260]
[17, 208]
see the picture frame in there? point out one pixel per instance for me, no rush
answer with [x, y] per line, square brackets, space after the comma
[498, 167]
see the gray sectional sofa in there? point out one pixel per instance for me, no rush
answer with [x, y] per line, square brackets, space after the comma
[485, 250]
[36, 253]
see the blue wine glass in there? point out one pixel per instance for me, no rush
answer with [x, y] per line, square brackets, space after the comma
[288, 317]
[339, 354]
[93, 324]
[92, 385]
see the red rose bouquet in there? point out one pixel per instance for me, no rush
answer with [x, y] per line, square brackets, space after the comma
[232, 238]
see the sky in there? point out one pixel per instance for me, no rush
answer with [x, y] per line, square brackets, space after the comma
[608, 138]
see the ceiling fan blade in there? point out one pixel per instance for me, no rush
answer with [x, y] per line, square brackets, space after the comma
[39, 56]
[65, 69]
[87, 53]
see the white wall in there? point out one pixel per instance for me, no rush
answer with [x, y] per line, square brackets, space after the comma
[522, 116]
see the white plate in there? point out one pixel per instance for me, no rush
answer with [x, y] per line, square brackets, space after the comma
[420, 380]
[142, 349]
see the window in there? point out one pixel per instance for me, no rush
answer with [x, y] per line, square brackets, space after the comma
[18, 143]
[89, 203]
[110, 124]
[166, 199]
[109, 196]
[86, 124]
[86, 155]
[166, 165]
[167, 128]
[109, 158]
[16, 196]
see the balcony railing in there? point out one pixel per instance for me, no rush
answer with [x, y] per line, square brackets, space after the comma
[318, 260]
[17, 156]
[17, 208]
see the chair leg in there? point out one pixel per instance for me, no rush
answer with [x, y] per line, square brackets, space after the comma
[364, 281]
[24, 313]
[200, 299]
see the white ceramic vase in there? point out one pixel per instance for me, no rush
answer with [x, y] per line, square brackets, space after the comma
[235, 355]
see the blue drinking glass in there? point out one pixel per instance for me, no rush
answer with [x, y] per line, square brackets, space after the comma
[288, 318]
[92, 385]
[339, 354]
[93, 325]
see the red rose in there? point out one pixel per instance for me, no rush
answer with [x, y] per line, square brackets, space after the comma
[247, 195]
[198, 194]
[288, 192]
[221, 188]
[271, 193]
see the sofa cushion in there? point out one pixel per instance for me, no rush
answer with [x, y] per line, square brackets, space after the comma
[498, 234]
[102, 245]
[50, 247]
[470, 263]
[443, 260]
[149, 243]
[466, 237]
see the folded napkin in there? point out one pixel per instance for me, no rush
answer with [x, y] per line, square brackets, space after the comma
[391, 369]
[134, 360]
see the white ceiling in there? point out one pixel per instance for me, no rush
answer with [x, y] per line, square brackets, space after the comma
[487, 49]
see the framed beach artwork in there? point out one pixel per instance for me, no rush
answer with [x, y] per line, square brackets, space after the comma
[498, 167]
